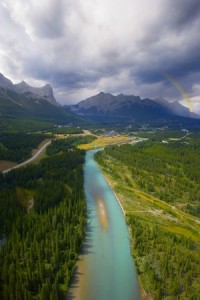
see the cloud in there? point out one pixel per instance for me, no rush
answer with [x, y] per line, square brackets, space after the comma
[83, 47]
[184, 12]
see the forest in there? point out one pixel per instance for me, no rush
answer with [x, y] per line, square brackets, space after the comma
[158, 186]
[59, 145]
[67, 130]
[17, 146]
[168, 263]
[23, 125]
[43, 217]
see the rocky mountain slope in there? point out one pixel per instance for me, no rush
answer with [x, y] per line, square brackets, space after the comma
[122, 106]
[45, 92]
[23, 101]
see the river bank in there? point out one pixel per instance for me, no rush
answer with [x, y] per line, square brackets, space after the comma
[105, 269]
[143, 294]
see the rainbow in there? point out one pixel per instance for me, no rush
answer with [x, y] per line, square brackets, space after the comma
[184, 94]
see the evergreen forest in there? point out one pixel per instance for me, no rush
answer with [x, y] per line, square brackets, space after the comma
[17, 146]
[42, 226]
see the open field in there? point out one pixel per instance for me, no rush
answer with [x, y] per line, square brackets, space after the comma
[4, 165]
[64, 135]
[103, 141]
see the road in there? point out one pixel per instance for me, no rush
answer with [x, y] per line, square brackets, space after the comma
[29, 160]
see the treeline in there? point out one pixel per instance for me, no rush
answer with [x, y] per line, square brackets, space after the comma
[17, 147]
[167, 262]
[67, 130]
[23, 125]
[158, 136]
[60, 145]
[170, 172]
[40, 244]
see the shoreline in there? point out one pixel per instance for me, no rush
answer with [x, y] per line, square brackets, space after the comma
[143, 294]
[79, 285]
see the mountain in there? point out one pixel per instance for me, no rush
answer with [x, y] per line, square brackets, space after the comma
[23, 101]
[5, 83]
[176, 108]
[45, 92]
[105, 105]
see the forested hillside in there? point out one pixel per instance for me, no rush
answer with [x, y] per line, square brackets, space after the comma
[158, 186]
[43, 215]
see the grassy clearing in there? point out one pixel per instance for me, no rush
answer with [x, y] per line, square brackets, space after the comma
[34, 151]
[41, 155]
[64, 135]
[103, 141]
[4, 165]
[173, 220]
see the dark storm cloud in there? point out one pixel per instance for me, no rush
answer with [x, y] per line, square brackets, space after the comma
[179, 64]
[82, 47]
[184, 12]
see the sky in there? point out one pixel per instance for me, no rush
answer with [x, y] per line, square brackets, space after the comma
[149, 48]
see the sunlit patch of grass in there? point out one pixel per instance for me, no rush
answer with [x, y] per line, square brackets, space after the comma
[188, 233]
[39, 157]
[103, 141]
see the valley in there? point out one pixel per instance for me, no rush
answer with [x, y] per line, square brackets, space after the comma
[51, 213]
[155, 177]
[100, 150]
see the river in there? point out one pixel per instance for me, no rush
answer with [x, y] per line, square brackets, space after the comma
[105, 269]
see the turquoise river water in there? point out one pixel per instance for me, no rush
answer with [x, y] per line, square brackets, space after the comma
[105, 269]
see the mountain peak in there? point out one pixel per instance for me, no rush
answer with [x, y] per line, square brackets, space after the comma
[48, 85]
[128, 106]
[104, 94]
[45, 92]
[5, 83]
[22, 84]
